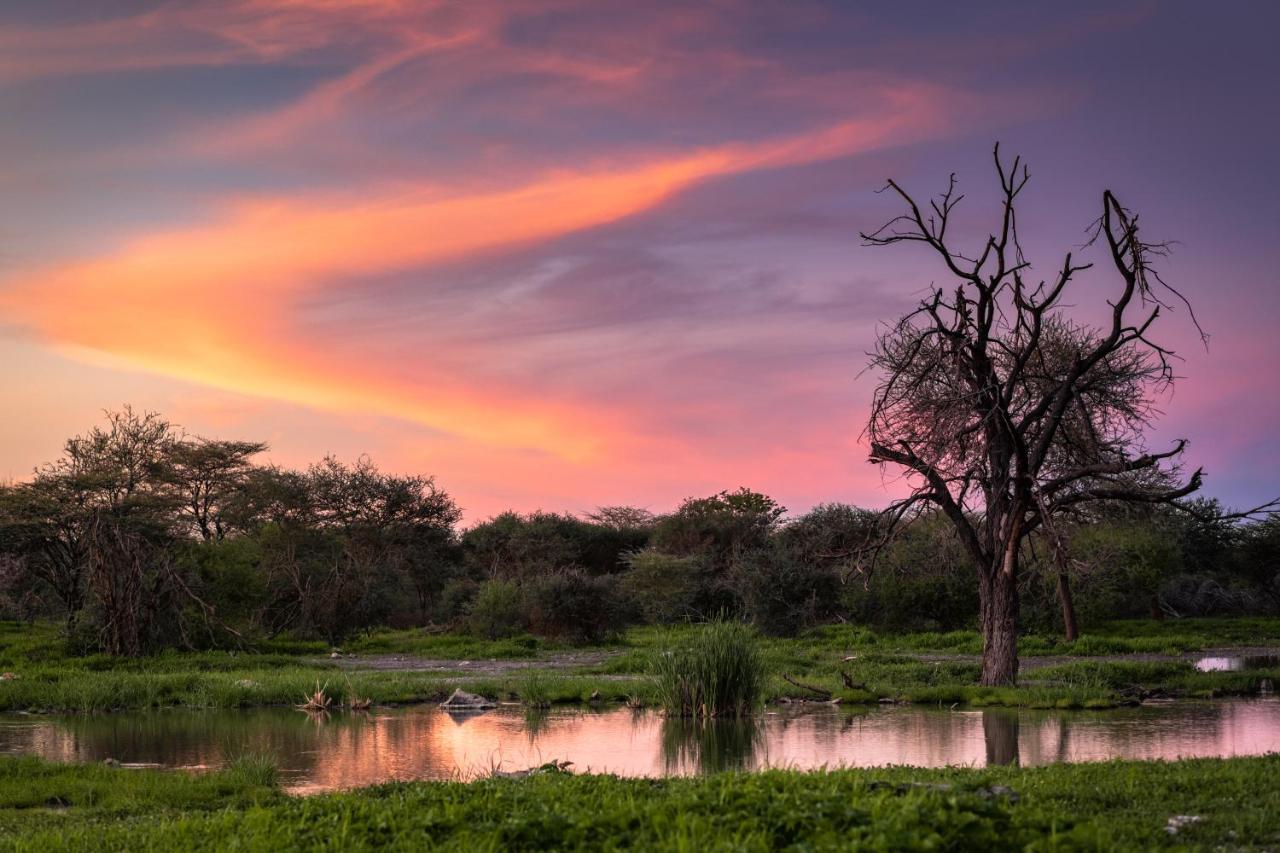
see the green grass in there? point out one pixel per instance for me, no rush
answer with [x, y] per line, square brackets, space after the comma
[413, 641]
[1108, 806]
[50, 678]
[718, 671]
[35, 794]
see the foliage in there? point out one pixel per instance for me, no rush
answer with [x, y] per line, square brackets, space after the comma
[1125, 564]
[574, 606]
[666, 588]
[515, 546]
[141, 538]
[719, 671]
[782, 593]
[719, 527]
[1100, 806]
[922, 580]
[497, 610]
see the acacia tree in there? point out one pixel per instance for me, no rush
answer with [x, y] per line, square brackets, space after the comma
[1003, 411]
[208, 475]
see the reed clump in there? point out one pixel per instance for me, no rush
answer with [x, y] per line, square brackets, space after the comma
[717, 671]
[317, 702]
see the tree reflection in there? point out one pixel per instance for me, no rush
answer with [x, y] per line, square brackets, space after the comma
[709, 746]
[1000, 731]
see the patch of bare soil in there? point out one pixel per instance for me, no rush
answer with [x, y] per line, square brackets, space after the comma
[486, 667]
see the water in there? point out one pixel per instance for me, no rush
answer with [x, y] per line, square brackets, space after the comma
[1237, 663]
[349, 750]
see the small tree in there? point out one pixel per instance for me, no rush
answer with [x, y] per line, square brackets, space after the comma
[1004, 412]
[208, 477]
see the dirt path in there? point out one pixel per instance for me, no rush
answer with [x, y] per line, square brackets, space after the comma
[483, 667]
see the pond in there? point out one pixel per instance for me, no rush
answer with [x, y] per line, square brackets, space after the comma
[1237, 663]
[350, 750]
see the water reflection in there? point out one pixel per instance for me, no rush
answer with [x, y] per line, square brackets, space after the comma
[347, 750]
[1000, 735]
[1237, 663]
[692, 746]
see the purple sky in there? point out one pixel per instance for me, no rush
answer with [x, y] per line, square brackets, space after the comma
[568, 254]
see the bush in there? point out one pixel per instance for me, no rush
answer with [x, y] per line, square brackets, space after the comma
[497, 611]
[453, 605]
[1123, 565]
[829, 533]
[573, 605]
[923, 581]
[718, 528]
[719, 672]
[511, 545]
[666, 588]
[783, 594]
[230, 578]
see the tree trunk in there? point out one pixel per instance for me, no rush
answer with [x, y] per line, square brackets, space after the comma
[998, 601]
[1068, 607]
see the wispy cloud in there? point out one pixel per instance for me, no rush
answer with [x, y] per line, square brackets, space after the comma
[215, 304]
[551, 250]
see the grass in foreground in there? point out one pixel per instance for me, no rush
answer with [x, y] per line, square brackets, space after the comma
[1216, 803]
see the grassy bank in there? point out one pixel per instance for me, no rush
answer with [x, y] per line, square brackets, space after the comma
[919, 668]
[1117, 805]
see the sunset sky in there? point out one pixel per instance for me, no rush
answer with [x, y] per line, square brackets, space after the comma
[566, 254]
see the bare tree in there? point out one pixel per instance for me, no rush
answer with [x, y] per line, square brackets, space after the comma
[1002, 411]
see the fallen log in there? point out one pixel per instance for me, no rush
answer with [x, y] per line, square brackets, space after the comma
[817, 691]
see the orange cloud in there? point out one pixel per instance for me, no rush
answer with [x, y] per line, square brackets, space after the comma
[214, 304]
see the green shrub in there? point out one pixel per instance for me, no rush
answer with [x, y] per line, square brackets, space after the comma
[664, 587]
[254, 770]
[573, 605]
[783, 594]
[518, 546]
[454, 601]
[497, 611]
[718, 671]
[923, 581]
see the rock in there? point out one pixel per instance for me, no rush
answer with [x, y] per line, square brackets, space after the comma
[1179, 821]
[335, 655]
[551, 767]
[460, 700]
[904, 787]
[992, 791]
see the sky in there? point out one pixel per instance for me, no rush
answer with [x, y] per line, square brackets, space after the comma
[567, 254]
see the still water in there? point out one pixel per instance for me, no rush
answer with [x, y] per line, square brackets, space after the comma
[1237, 663]
[348, 750]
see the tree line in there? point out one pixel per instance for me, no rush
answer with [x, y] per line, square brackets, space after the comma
[140, 537]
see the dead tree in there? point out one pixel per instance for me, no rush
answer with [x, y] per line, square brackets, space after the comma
[1002, 411]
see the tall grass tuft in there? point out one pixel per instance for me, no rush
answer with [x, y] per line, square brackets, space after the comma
[719, 671]
[254, 770]
[535, 689]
